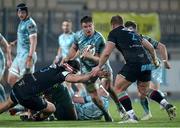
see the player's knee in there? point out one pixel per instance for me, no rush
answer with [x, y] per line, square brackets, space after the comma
[118, 88]
[50, 108]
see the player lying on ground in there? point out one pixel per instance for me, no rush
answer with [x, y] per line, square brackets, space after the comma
[26, 91]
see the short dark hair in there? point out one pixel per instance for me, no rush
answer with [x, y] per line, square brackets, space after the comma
[21, 7]
[75, 64]
[86, 19]
[117, 20]
[131, 24]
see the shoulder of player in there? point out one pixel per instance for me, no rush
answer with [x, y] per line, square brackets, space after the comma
[98, 35]
[30, 21]
[150, 39]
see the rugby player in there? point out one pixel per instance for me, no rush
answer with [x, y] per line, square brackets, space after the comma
[65, 40]
[27, 90]
[137, 67]
[157, 73]
[90, 44]
[26, 46]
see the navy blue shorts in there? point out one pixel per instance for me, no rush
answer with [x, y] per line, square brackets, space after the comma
[134, 72]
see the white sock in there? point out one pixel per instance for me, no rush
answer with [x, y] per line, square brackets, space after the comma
[131, 113]
[164, 102]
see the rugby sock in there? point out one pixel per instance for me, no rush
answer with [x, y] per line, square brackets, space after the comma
[156, 96]
[125, 101]
[145, 104]
[164, 103]
[115, 99]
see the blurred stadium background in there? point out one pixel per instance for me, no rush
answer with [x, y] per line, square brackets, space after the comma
[49, 14]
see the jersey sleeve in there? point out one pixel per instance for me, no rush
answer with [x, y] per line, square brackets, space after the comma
[152, 41]
[99, 45]
[112, 37]
[31, 28]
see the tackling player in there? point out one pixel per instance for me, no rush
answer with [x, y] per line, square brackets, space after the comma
[27, 90]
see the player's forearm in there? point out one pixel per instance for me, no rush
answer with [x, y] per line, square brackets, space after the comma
[59, 52]
[163, 51]
[83, 78]
[104, 57]
[8, 53]
[33, 43]
[94, 58]
[72, 52]
[150, 49]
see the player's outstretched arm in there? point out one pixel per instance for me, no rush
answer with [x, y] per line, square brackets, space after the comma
[74, 78]
[104, 56]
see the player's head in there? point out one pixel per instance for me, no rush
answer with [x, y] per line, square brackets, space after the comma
[67, 26]
[131, 25]
[72, 66]
[22, 11]
[87, 25]
[116, 21]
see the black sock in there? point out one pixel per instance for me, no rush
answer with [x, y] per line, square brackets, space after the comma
[125, 101]
[155, 95]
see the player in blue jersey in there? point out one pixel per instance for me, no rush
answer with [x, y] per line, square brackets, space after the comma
[26, 46]
[4, 44]
[85, 107]
[65, 40]
[156, 76]
[90, 44]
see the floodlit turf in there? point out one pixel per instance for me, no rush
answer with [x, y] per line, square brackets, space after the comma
[160, 119]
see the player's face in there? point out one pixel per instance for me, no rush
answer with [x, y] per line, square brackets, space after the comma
[88, 28]
[66, 27]
[130, 28]
[22, 14]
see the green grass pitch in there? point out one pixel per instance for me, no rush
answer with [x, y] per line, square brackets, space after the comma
[160, 119]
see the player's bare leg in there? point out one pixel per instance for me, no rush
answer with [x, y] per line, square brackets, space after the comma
[156, 96]
[45, 113]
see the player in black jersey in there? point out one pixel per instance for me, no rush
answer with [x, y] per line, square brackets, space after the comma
[137, 67]
[156, 73]
[27, 90]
